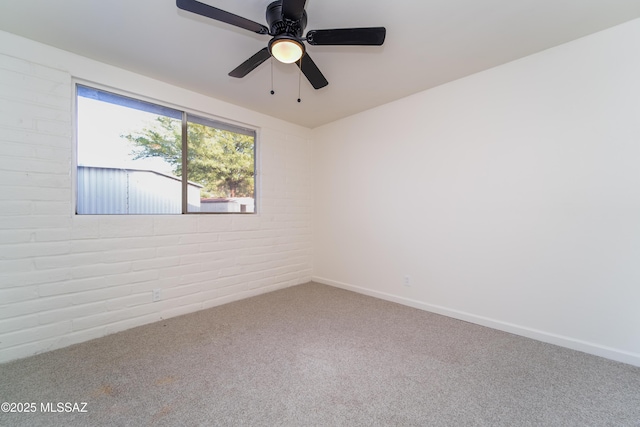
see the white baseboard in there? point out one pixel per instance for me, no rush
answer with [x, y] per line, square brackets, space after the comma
[572, 343]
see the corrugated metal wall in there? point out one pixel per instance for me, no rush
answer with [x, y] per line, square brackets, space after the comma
[129, 191]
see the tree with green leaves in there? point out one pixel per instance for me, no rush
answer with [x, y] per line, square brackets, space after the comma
[220, 160]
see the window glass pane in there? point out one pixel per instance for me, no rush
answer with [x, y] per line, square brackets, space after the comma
[130, 159]
[129, 155]
[221, 160]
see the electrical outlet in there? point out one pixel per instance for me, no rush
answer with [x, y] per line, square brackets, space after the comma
[155, 295]
[407, 280]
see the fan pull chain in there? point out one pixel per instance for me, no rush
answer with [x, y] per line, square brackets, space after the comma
[299, 79]
[272, 91]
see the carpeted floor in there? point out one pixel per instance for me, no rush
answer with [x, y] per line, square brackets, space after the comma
[313, 355]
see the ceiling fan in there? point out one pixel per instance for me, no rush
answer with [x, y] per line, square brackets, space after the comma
[287, 20]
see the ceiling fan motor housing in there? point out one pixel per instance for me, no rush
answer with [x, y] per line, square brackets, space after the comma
[278, 24]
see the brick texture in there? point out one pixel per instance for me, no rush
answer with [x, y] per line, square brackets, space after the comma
[66, 278]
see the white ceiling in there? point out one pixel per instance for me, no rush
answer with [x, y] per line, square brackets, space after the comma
[429, 42]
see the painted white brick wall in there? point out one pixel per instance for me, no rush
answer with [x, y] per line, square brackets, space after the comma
[66, 278]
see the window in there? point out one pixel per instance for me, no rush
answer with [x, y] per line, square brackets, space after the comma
[137, 157]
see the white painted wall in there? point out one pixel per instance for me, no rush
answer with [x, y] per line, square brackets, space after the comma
[67, 278]
[511, 198]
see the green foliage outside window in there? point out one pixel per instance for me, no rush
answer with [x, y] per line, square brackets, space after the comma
[221, 161]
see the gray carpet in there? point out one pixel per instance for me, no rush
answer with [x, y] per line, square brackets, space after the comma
[313, 355]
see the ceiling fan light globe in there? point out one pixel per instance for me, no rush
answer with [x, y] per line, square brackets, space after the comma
[286, 50]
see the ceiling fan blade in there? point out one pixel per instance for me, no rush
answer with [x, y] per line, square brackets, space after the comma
[293, 9]
[312, 72]
[250, 64]
[221, 15]
[373, 36]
